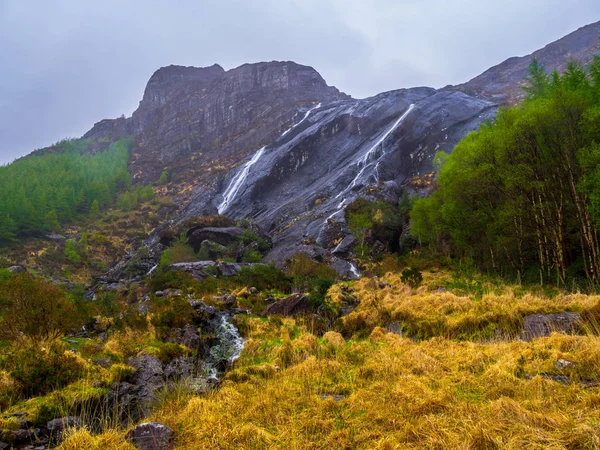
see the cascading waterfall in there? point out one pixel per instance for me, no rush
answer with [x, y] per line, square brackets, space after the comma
[354, 270]
[238, 181]
[303, 119]
[227, 349]
[152, 269]
[364, 163]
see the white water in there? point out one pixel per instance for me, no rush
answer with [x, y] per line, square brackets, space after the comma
[364, 160]
[237, 182]
[228, 348]
[354, 270]
[303, 119]
[152, 270]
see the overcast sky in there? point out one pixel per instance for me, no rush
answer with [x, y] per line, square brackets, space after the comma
[66, 64]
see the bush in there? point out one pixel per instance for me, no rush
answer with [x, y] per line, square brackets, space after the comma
[168, 352]
[412, 276]
[264, 277]
[39, 369]
[168, 313]
[35, 308]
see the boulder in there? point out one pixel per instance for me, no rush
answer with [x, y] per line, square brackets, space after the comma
[57, 427]
[197, 269]
[178, 368]
[147, 378]
[227, 300]
[294, 304]
[228, 269]
[17, 269]
[213, 249]
[202, 310]
[222, 236]
[540, 325]
[151, 436]
[345, 247]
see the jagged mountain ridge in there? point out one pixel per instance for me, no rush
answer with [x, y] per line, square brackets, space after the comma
[274, 143]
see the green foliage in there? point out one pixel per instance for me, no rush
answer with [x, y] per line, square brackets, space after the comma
[52, 221]
[522, 195]
[376, 221]
[264, 277]
[35, 308]
[45, 190]
[180, 251]
[164, 177]
[94, 209]
[71, 252]
[169, 351]
[412, 276]
[170, 312]
[40, 369]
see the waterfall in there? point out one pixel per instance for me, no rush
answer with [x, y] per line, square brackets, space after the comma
[354, 270]
[221, 356]
[303, 119]
[238, 181]
[363, 162]
[152, 270]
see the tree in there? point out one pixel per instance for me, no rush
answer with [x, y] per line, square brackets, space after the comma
[34, 308]
[359, 224]
[71, 252]
[94, 209]
[164, 177]
[52, 221]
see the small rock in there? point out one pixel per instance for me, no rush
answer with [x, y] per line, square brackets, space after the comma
[202, 309]
[4, 446]
[540, 325]
[106, 363]
[253, 291]
[56, 237]
[562, 363]
[23, 436]
[294, 304]
[151, 436]
[17, 269]
[57, 427]
[227, 300]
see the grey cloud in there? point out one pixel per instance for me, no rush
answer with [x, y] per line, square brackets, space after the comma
[67, 64]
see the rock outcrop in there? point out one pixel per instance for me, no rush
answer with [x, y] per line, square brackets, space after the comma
[273, 143]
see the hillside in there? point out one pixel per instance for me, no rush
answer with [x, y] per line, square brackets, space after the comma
[255, 259]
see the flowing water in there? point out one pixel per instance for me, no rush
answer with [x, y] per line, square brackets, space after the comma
[238, 181]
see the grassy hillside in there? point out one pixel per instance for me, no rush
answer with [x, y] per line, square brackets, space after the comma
[461, 386]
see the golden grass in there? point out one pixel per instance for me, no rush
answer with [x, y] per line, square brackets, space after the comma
[291, 390]
[425, 313]
[83, 439]
[378, 390]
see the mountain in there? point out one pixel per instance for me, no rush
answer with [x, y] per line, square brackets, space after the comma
[274, 143]
[503, 83]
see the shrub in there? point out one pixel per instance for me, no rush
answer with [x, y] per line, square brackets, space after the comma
[168, 313]
[411, 276]
[169, 351]
[35, 308]
[39, 369]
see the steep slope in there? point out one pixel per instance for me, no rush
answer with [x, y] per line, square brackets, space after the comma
[193, 120]
[274, 143]
[503, 82]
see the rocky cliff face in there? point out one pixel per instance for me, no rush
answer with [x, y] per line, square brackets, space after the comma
[274, 143]
[192, 121]
[502, 83]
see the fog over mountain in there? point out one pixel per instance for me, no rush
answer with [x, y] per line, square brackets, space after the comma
[69, 64]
